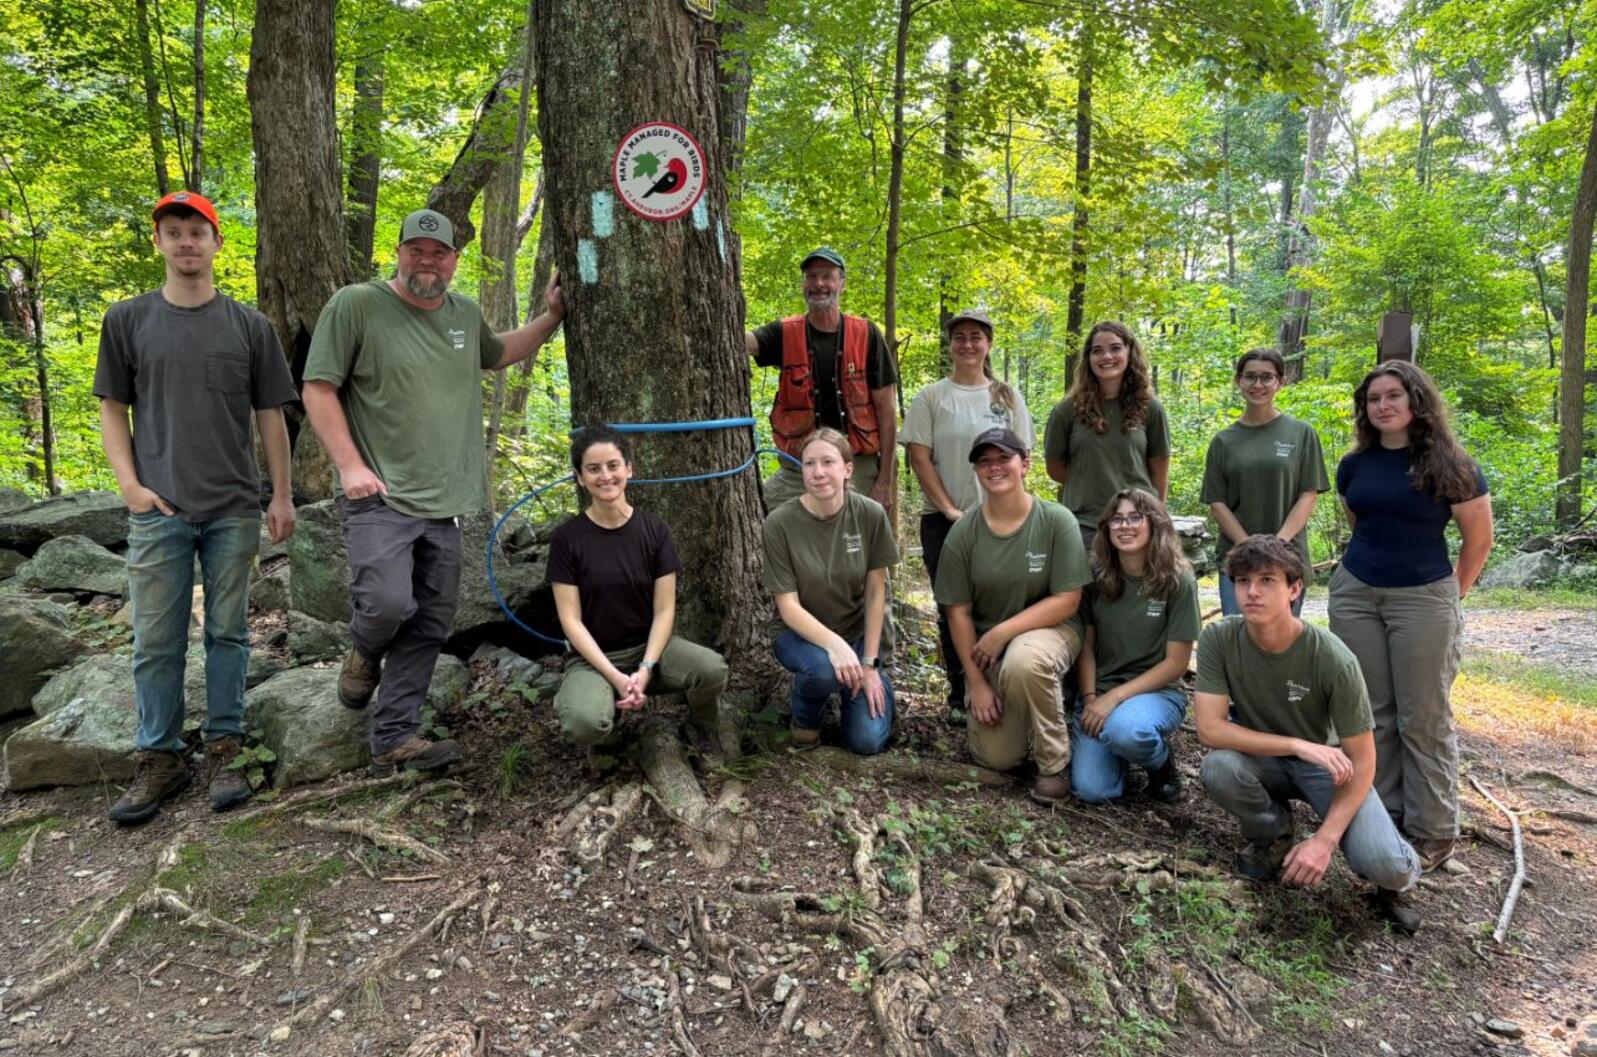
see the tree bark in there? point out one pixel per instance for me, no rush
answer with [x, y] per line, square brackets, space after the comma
[895, 188]
[300, 257]
[152, 98]
[492, 136]
[196, 174]
[953, 159]
[654, 327]
[1572, 375]
[1076, 305]
[365, 163]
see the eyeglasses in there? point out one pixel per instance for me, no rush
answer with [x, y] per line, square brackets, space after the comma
[1260, 379]
[1127, 520]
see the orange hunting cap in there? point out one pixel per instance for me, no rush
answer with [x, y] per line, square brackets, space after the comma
[197, 202]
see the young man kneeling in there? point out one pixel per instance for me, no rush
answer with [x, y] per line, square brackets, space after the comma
[1270, 692]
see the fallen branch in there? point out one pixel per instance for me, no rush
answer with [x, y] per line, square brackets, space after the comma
[158, 898]
[393, 840]
[1501, 931]
[1485, 836]
[352, 979]
[27, 996]
[402, 879]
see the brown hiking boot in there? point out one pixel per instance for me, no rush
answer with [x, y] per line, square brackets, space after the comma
[159, 776]
[1434, 853]
[357, 679]
[417, 754]
[1399, 908]
[1051, 789]
[1260, 860]
[229, 786]
[805, 739]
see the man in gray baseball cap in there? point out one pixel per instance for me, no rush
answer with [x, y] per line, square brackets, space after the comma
[393, 389]
[836, 371]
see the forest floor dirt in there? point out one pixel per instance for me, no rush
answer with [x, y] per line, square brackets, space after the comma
[973, 919]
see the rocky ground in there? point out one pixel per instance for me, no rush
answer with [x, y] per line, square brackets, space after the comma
[648, 902]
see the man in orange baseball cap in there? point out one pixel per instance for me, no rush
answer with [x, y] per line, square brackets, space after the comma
[178, 201]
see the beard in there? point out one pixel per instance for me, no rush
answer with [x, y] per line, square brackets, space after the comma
[425, 288]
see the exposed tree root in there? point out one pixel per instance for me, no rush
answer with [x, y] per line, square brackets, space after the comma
[157, 898]
[679, 1020]
[314, 1011]
[49, 985]
[713, 831]
[302, 933]
[24, 859]
[1553, 778]
[366, 829]
[903, 766]
[321, 795]
[394, 808]
[862, 839]
[1215, 1005]
[588, 829]
[450, 1040]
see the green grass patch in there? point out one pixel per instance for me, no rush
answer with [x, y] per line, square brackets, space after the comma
[1557, 596]
[14, 837]
[244, 831]
[1543, 680]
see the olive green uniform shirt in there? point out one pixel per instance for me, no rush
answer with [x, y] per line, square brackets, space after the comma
[410, 381]
[1134, 631]
[1101, 464]
[1309, 690]
[826, 561]
[1260, 471]
[998, 576]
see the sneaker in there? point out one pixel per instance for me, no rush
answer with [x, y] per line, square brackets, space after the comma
[1260, 860]
[1164, 783]
[417, 754]
[357, 679]
[805, 739]
[1434, 853]
[1399, 908]
[229, 786]
[158, 776]
[1050, 789]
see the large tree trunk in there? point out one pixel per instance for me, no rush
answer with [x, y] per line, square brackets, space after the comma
[196, 175]
[1076, 306]
[654, 327]
[365, 163]
[22, 321]
[152, 97]
[895, 189]
[300, 257]
[1577, 302]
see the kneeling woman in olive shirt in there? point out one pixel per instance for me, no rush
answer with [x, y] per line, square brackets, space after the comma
[826, 560]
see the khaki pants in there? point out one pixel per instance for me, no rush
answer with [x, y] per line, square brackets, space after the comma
[788, 482]
[1407, 640]
[1033, 720]
[586, 702]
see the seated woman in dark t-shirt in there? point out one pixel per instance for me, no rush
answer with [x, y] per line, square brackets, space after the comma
[1395, 600]
[614, 573]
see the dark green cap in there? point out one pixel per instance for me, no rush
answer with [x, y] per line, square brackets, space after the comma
[428, 224]
[824, 253]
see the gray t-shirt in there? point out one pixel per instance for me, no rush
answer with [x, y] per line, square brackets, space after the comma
[192, 377]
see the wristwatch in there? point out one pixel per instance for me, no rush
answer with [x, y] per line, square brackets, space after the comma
[646, 665]
[874, 662]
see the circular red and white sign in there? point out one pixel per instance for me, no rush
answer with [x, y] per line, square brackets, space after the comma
[659, 171]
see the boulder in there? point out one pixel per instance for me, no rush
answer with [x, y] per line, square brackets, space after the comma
[76, 563]
[1196, 543]
[507, 664]
[270, 591]
[13, 499]
[103, 677]
[1534, 569]
[269, 550]
[318, 578]
[85, 742]
[311, 640]
[519, 577]
[35, 639]
[315, 737]
[101, 516]
[10, 562]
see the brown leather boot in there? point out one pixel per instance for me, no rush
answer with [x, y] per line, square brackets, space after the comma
[159, 776]
[229, 786]
[1051, 789]
[357, 679]
[1434, 853]
[417, 754]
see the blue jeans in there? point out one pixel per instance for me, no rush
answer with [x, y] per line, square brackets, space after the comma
[1257, 790]
[161, 554]
[814, 683]
[1135, 732]
[1230, 607]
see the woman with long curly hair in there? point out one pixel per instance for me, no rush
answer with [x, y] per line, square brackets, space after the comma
[1396, 598]
[1141, 613]
[1109, 432]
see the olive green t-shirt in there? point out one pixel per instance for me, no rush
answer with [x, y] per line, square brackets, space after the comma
[1259, 472]
[826, 561]
[998, 576]
[1134, 630]
[1101, 464]
[410, 381]
[1308, 691]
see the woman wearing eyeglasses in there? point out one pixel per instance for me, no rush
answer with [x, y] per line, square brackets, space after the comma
[1141, 613]
[1263, 472]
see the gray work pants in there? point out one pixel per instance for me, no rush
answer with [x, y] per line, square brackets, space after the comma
[404, 584]
[1256, 789]
[1407, 640]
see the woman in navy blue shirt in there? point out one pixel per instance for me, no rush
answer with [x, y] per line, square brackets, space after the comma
[1395, 600]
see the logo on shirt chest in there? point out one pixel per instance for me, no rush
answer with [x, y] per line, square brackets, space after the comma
[458, 339]
[852, 543]
[1284, 449]
[1036, 563]
[1295, 692]
[1156, 607]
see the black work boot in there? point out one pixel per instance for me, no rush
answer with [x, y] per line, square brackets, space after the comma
[229, 786]
[417, 754]
[1164, 783]
[159, 776]
[1261, 860]
[1399, 908]
[357, 679]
